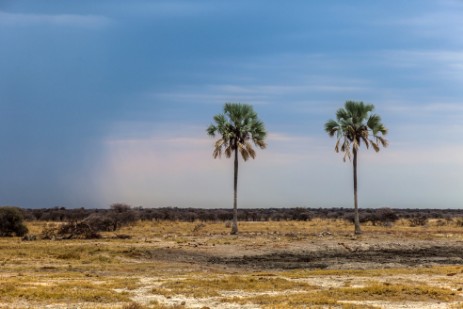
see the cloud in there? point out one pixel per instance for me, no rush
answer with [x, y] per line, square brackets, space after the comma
[398, 106]
[419, 155]
[445, 63]
[171, 8]
[161, 9]
[258, 94]
[444, 23]
[74, 20]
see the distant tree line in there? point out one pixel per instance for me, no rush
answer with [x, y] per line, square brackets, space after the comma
[88, 223]
[120, 214]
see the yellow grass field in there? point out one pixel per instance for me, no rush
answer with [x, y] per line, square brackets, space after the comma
[286, 264]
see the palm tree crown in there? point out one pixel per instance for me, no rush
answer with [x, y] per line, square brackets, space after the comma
[355, 124]
[238, 126]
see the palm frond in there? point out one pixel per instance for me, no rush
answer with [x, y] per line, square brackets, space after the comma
[250, 150]
[219, 143]
[243, 151]
[260, 143]
[382, 141]
[332, 127]
[375, 145]
[229, 151]
[364, 136]
[217, 152]
[336, 148]
[373, 122]
[355, 125]
[211, 130]
[347, 154]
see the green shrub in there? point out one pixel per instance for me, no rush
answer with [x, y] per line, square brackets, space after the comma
[11, 222]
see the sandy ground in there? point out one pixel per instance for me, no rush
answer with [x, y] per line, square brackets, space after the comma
[188, 253]
[325, 251]
[329, 252]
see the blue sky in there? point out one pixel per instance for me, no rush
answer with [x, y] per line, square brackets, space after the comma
[108, 101]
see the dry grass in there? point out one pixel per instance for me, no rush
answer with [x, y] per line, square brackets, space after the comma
[217, 286]
[129, 273]
[375, 291]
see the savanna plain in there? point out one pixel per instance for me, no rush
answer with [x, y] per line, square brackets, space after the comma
[275, 264]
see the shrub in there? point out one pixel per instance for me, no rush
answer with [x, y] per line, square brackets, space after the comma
[122, 214]
[349, 217]
[418, 220]
[70, 230]
[78, 230]
[110, 220]
[100, 222]
[11, 222]
[383, 216]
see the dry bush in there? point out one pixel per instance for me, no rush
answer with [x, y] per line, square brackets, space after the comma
[11, 222]
[100, 222]
[198, 227]
[384, 216]
[72, 230]
[418, 220]
[459, 221]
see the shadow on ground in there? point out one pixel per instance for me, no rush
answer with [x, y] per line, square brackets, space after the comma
[343, 257]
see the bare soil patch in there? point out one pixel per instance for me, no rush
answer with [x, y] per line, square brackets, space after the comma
[324, 254]
[362, 258]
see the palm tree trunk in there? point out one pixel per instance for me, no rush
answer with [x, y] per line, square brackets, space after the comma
[356, 210]
[234, 230]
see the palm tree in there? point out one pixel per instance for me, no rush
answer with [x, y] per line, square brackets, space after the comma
[237, 127]
[354, 125]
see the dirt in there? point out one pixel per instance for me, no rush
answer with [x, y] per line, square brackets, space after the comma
[343, 259]
[323, 254]
[246, 255]
[268, 252]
